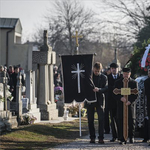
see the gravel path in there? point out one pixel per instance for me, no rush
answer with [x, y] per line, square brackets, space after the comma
[83, 144]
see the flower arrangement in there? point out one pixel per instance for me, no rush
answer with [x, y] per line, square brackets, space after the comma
[8, 94]
[147, 63]
[58, 91]
[27, 118]
[74, 111]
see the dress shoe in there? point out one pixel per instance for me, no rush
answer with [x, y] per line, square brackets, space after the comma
[123, 143]
[113, 140]
[145, 141]
[149, 144]
[101, 141]
[131, 140]
[92, 141]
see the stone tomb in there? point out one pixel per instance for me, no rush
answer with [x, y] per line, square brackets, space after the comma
[43, 62]
[7, 121]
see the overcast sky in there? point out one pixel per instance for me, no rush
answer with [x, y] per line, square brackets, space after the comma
[31, 12]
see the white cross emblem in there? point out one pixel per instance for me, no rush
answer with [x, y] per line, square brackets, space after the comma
[77, 74]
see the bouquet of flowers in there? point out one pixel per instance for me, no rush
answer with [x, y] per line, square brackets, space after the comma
[147, 63]
[27, 118]
[58, 90]
[8, 94]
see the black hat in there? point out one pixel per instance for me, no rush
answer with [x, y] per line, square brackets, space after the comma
[113, 65]
[126, 70]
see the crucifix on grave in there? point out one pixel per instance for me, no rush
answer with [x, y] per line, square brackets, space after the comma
[77, 44]
[125, 91]
[78, 73]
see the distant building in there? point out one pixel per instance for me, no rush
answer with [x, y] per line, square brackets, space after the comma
[12, 52]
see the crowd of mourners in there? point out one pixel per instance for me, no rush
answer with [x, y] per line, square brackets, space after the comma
[109, 106]
[11, 74]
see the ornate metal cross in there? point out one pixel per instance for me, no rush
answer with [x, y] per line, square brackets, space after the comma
[77, 36]
[125, 91]
[78, 72]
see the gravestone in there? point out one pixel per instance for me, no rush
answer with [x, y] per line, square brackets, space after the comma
[7, 121]
[44, 60]
[2, 94]
[30, 94]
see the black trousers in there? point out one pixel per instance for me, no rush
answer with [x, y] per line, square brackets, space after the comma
[106, 116]
[114, 124]
[131, 128]
[91, 108]
[149, 128]
[146, 129]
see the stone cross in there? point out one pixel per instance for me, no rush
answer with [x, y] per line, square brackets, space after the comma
[18, 97]
[45, 37]
[78, 72]
[45, 46]
[125, 91]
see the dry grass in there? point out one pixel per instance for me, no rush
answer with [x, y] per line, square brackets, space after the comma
[42, 136]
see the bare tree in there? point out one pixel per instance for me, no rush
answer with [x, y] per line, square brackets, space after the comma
[129, 16]
[67, 17]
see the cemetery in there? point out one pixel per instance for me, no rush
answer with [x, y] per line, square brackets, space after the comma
[54, 90]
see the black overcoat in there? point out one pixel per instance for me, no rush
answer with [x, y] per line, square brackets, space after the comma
[102, 84]
[131, 108]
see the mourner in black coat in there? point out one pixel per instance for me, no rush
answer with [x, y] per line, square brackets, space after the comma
[147, 93]
[131, 106]
[100, 82]
[14, 82]
[112, 103]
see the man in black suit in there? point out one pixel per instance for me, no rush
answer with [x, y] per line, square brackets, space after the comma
[112, 103]
[100, 82]
[147, 93]
[130, 103]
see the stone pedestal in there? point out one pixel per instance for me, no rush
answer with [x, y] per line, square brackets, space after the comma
[60, 107]
[48, 112]
[7, 121]
[45, 59]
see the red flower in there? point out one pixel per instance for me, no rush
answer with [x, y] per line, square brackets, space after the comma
[145, 69]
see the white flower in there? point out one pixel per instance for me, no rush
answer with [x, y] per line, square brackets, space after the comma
[10, 98]
[8, 87]
[8, 93]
